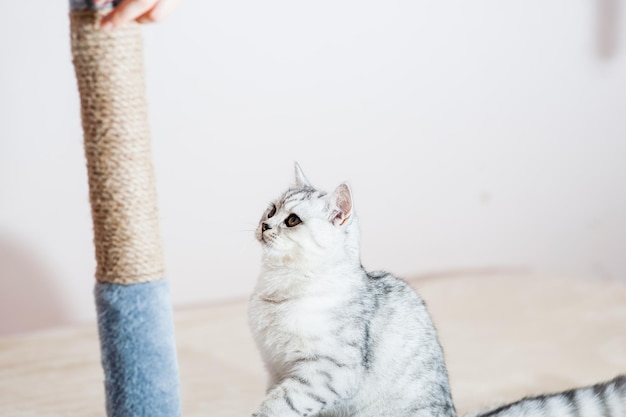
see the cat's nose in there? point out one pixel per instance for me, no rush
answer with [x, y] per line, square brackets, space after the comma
[264, 227]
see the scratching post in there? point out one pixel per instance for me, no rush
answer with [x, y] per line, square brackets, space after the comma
[132, 295]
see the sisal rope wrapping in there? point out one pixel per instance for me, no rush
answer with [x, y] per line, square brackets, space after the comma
[109, 70]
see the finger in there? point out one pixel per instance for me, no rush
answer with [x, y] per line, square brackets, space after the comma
[159, 12]
[126, 11]
[143, 19]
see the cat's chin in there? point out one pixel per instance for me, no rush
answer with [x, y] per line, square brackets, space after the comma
[274, 259]
[277, 256]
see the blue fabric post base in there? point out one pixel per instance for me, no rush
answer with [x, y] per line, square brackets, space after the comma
[138, 349]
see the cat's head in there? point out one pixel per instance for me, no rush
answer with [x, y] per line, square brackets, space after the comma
[306, 226]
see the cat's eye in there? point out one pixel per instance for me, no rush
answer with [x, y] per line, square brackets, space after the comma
[292, 220]
[272, 211]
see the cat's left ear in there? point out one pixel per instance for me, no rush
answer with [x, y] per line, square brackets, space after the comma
[301, 180]
[341, 206]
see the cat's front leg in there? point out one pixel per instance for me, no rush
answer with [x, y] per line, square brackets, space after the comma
[296, 396]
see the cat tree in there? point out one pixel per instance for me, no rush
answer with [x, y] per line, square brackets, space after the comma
[131, 293]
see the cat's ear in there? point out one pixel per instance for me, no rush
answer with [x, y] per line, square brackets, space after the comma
[341, 206]
[301, 180]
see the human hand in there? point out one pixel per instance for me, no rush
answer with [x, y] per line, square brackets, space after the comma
[142, 11]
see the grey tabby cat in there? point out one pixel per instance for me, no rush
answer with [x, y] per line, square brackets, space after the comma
[338, 340]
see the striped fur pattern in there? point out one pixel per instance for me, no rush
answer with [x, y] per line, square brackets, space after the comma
[339, 341]
[336, 339]
[606, 399]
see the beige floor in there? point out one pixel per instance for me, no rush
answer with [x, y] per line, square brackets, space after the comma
[504, 337]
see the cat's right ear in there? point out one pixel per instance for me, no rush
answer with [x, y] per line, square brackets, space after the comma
[341, 206]
[301, 180]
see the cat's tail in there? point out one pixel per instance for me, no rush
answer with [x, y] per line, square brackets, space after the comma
[606, 399]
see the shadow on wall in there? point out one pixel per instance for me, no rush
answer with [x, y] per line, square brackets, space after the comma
[28, 299]
[607, 28]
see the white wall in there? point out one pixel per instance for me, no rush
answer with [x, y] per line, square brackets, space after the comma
[481, 134]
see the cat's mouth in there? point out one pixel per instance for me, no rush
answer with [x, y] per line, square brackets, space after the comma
[268, 239]
[263, 238]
